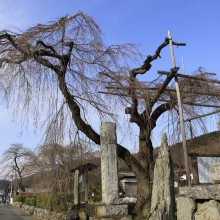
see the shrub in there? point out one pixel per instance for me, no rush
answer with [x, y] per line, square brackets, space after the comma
[52, 202]
[19, 198]
[30, 201]
[42, 201]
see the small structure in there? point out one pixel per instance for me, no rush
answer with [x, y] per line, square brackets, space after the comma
[128, 183]
[4, 191]
[81, 182]
[204, 146]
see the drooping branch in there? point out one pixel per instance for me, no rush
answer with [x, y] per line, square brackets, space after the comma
[159, 111]
[123, 153]
[45, 54]
[133, 110]
[130, 160]
[28, 52]
[41, 43]
[165, 84]
[75, 110]
[19, 60]
[147, 63]
[12, 39]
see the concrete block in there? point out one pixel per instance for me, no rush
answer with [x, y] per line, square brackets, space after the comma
[208, 210]
[82, 215]
[112, 210]
[185, 208]
[201, 192]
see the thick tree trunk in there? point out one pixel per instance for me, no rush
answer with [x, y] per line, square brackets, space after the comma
[19, 171]
[141, 166]
[143, 204]
[20, 183]
[145, 157]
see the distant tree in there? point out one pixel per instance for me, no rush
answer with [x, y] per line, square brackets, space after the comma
[17, 159]
[57, 69]
[54, 163]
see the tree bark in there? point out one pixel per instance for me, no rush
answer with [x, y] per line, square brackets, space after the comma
[143, 203]
[20, 183]
[144, 186]
[140, 168]
[19, 171]
[145, 155]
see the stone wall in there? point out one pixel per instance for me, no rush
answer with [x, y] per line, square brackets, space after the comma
[100, 212]
[39, 213]
[200, 202]
[190, 209]
[187, 209]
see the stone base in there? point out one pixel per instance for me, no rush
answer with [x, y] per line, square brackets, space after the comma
[201, 192]
[208, 210]
[127, 217]
[185, 208]
[110, 211]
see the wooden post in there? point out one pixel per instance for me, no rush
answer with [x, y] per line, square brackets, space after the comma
[190, 123]
[76, 187]
[180, 113]
[191, 129]
[195, 172]
[86, 185]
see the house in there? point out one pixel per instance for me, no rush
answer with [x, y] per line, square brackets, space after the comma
[4, 191]
[203, 152]
[128, 184]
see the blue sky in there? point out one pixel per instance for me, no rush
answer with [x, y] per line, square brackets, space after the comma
[144, 22]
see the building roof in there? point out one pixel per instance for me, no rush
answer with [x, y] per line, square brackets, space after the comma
[84, 167]
[207, 145]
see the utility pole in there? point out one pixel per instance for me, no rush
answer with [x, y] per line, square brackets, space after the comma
[218, 123]
[190, 122]
[11, 193]
[186, 161]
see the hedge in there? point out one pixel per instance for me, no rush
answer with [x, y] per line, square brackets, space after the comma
[52, 202]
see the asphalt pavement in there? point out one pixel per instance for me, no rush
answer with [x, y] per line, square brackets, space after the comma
[8, 212]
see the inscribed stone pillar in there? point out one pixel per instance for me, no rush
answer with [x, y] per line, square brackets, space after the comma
[86, 185]
[109, 165]
[76, 187]
[163, 199]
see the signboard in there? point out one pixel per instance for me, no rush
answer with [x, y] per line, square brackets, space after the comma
[204, 168]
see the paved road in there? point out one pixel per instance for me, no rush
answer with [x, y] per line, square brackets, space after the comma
[8, 212]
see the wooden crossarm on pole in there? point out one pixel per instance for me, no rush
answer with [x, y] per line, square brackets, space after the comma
[201, 116]
[193, 104]
[161, 72]
[167, 89]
